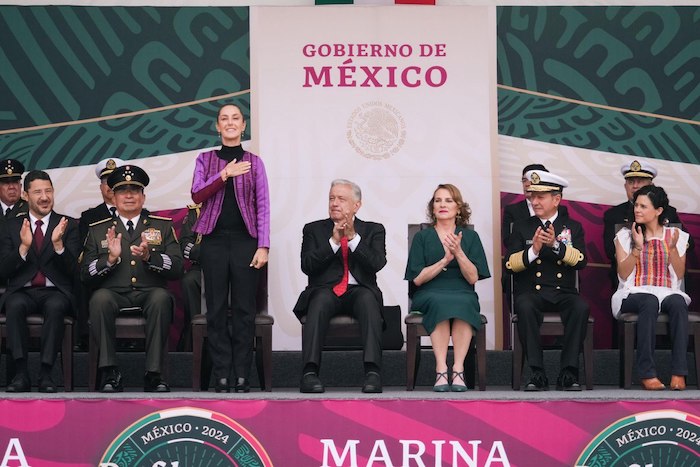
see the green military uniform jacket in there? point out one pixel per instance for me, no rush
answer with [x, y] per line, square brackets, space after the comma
[165, 262]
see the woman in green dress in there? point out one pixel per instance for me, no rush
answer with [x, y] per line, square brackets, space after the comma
[444, 263]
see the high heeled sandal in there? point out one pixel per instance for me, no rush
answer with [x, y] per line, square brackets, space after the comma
[458, 387]
[441, 387]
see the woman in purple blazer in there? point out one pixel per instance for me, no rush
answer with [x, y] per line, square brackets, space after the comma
[234, 222]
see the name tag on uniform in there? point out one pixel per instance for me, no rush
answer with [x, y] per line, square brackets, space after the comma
[153, 236]
[528, 242]
[104, 244]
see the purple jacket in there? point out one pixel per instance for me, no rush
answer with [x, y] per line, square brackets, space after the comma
[251, 190]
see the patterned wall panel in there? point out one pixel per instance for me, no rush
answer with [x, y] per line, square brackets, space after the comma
[74, 65]
[639, 59]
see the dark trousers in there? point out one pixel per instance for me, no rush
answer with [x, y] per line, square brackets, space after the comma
[647, 308]
[574, 312]
[47, 301]
[359, 302]
[157, 306]
[230, 283]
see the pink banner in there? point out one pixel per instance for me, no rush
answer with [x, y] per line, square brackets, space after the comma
[179, 433]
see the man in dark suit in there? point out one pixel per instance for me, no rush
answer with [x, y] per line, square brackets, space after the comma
[128, 261]
[39, 257]
[522, 210]
[10, 190]
[107, 208]
[637, 174]
[341, 256]
[544, 252]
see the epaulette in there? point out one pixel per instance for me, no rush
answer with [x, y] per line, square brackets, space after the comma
[102, 221]
[160, 217]
[21, 214]
[194, 206]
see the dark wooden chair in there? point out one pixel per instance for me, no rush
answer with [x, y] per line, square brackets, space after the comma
[201, 371]
[35, 323]
[628, 323]
[476, 357]
[130, 324]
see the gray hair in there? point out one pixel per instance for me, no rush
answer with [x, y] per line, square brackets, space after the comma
[355, 188]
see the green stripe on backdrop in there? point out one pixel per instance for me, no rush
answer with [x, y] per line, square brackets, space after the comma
[636, 58]
[554, 121]
[65, 64]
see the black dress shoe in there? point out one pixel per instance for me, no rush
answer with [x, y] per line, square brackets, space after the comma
[311, 383]
[46, 385]
[222, 385]
[20, 383]
[112, 381]
[373, 383]
[568, 380]
[152, 382]
[538, 381]
[242, 385]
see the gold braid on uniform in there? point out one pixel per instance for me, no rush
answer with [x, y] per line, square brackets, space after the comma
[572, 256]
[515, 262]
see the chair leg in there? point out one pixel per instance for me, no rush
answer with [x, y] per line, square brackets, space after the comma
[197, 356]
[588, 356]
[264, 350]
[696, 339]
[412, 346]
[517, 359]
[481, 358]
[628, 349]
[470, 364]
[67, 357]
[93, 354]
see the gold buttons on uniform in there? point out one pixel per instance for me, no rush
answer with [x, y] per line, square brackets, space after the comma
[558, 287]
[559, 275]
[539, 261]
[559, 262]
[538, 287]
[133, 263]
[133, 280]
[539, 274]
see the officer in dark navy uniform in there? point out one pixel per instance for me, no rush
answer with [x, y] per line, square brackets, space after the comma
[544, 253]
[10, 190]
[128, 260]
[107, 208]
[191, 282]
[637, 174]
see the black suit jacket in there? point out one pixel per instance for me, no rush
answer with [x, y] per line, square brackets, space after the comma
[59, 269]
[552, 272]
[623, 214]
[516, 212]
[91, 216]
[325, 268]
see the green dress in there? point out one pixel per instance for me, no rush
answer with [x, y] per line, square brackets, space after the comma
[448, 295]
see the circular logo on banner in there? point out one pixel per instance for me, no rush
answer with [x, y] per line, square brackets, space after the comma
[663, 437]
[185, 436]
[376, 130]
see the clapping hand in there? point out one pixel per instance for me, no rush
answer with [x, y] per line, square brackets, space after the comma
[141, 250]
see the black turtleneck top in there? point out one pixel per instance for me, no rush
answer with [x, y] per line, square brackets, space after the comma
[230, 218]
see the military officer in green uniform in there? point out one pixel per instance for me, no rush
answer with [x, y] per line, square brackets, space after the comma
[191, 282]
[10, 202]
[128, 261]
[544, 253]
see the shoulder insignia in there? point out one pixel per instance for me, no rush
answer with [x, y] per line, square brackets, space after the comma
[22, 214]
[100, 222]
[160, 217]
[194, 206]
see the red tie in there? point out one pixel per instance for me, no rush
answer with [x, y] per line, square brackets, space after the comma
[342, 286]
[39, 280]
